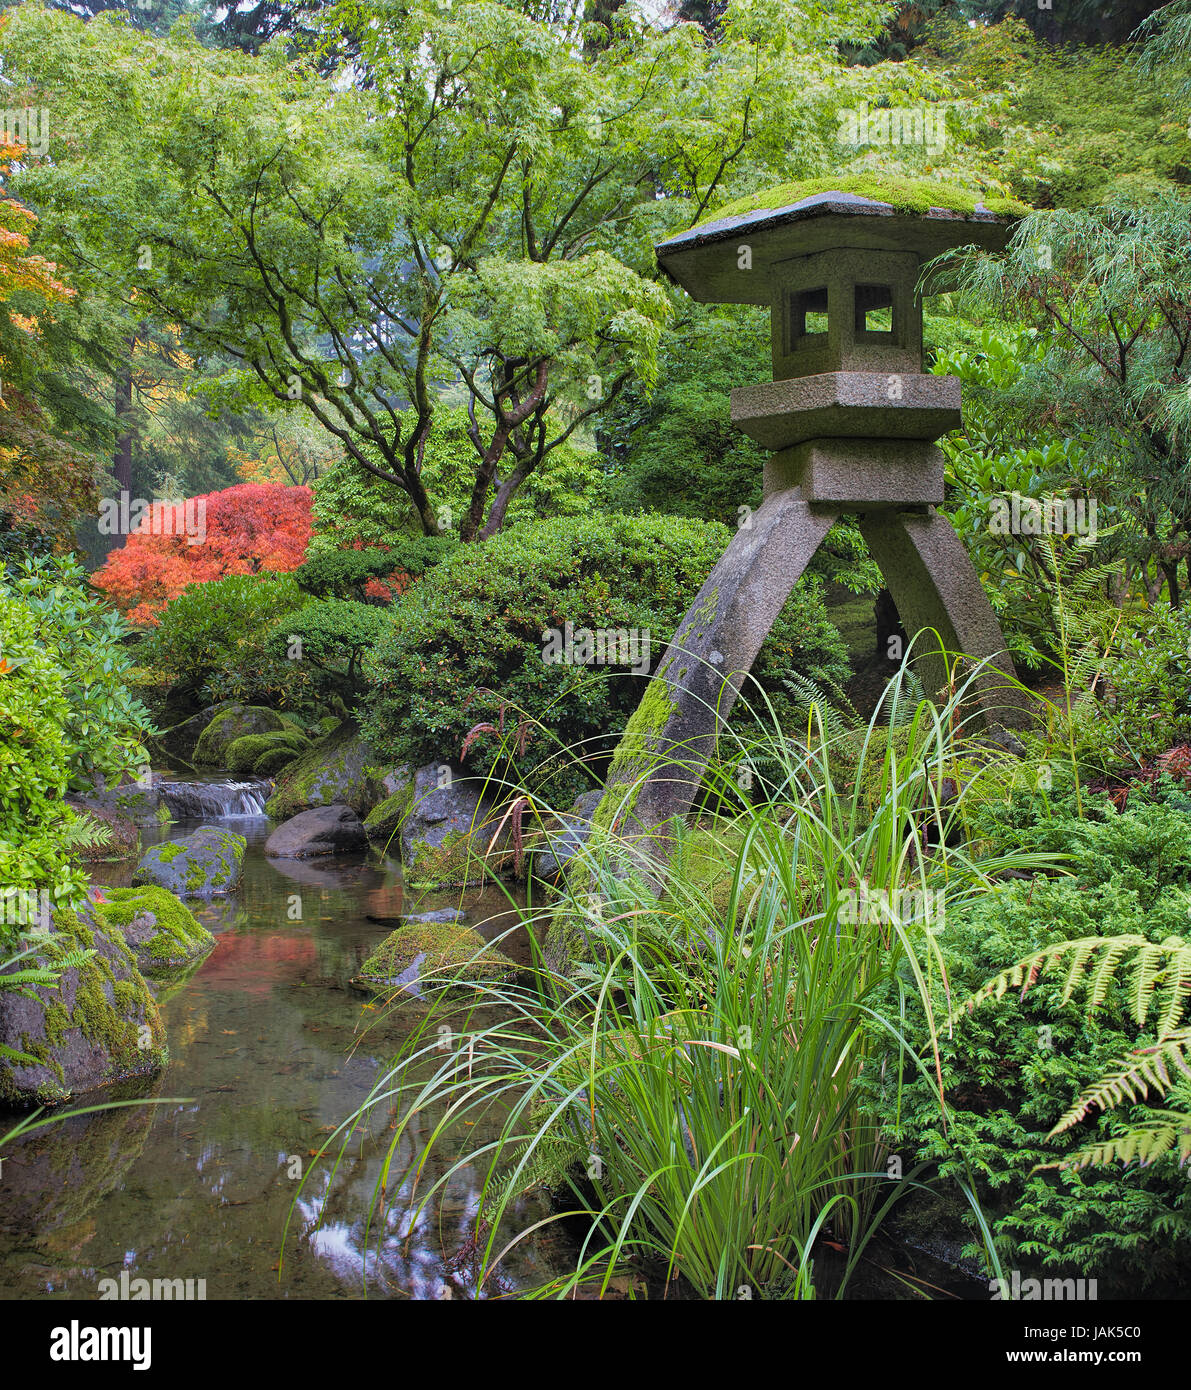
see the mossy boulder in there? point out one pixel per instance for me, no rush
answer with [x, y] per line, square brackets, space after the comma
[100, 1024]
[237, 721]
[428, 954]
[246, 752]
[340, 768]
[161, 929]
[205, 864]
[384, 821]
[273, 761]
[448, 830]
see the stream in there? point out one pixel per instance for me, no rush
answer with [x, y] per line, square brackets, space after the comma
[266, 1059]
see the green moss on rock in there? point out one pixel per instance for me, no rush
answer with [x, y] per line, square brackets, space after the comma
[903, 194]
[273, 761]
[235, 723]
[244, 753]
[385, 820]
[339, 768]
[169, 936]
[443, 953]
[100, 1025]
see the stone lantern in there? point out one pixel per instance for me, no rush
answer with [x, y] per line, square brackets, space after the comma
[851, 420]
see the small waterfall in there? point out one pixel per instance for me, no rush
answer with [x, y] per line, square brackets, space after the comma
[216, 800]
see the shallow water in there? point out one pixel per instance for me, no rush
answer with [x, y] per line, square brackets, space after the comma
[266, 1050]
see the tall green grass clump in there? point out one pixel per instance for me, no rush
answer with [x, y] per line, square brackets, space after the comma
[689, 1086]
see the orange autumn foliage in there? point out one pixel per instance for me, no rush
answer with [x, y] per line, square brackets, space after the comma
[44, 481]
[242, 530]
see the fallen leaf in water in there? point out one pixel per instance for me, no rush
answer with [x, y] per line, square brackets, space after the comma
[228, 1032]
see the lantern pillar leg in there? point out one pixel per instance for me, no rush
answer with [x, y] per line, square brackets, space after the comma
[937, 590]
[658, 766]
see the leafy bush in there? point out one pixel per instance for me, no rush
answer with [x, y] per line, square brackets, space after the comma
[345, 573]
[1147, 681]
[328, 638]
[104, 724]
[65, 719]
[210, 644]
[1011, 1073]
[467, 642]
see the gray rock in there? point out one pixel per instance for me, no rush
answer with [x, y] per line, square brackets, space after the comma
[443, 914]
[446, 832]
[321, 830]
[100, 1025]
[140, 804]
[204, 864]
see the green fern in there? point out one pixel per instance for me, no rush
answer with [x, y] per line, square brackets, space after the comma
[1159, 981]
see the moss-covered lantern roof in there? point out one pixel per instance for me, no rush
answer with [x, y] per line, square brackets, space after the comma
[925, 216]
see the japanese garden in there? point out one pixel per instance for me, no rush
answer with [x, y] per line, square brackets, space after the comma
[595, 650]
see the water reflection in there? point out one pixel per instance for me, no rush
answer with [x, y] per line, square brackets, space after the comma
[273, 1050]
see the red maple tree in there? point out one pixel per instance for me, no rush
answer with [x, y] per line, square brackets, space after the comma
[241, 530]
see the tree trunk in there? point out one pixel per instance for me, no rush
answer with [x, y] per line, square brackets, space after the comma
[122, 459]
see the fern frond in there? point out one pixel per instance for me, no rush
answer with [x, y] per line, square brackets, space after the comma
[1148, 1070]
[1143, 1144]
[1091, 963]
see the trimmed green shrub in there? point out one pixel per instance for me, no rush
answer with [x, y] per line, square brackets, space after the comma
[1010, 1072]
[465, 647]
[328, 638]
[344, 573]
[210, 644]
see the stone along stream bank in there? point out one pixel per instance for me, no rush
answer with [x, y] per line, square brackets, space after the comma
[265, 1061]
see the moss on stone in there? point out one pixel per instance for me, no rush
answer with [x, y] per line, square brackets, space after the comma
[336, 769]
[243, 754]
[384, 821]
[272, 761]
[903, 194]
[636, 752]
[455, 863]
[112, 1025]
[230, 725]
[450, 954]
[178, 938]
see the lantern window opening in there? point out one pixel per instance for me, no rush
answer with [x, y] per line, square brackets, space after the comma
[874, 316]
[808, 318]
